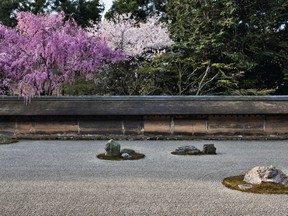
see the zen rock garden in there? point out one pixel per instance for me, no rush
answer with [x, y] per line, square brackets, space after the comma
[192, 150]
[114, 152]
[260, 179]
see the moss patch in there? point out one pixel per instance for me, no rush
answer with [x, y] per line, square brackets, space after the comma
[135, 156]
[263, 188]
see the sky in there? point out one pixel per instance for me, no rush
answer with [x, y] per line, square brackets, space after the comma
[107, 4]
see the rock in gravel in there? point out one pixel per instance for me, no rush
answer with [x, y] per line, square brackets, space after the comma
[209, 149]
[126, 156]
[112, 148]
[191, 150]
[260, 174]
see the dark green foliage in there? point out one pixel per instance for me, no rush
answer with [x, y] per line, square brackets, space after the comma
[178, 75]
[139, 9]
[228, 44]
[118, 79]
[203, 46]
[123, 78]
[80, 87]
[7, 7]
[81, 10]
[263, 37]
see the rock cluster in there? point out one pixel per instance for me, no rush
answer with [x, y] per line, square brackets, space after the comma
[260, 174]
[113, 149]
[192, 150]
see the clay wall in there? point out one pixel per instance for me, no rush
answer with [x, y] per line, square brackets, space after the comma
[145, 117]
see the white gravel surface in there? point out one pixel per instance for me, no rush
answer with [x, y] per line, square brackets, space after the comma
[66, 178]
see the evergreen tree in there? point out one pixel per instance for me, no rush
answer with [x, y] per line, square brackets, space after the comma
[139, 9]
[7, 7]
[199, 62]
[262, 35]
[228, 46]
[82, 11]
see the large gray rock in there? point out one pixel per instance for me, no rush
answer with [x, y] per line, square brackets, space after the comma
[112, 148]
[260, 174]
[209, 149]
[190, 150]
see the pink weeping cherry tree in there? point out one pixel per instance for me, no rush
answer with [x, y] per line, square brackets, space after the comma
[44, 51]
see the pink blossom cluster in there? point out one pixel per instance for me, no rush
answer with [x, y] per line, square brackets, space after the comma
[44, 51]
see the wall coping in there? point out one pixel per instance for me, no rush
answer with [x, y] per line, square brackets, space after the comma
[144, 105]
[149, 98]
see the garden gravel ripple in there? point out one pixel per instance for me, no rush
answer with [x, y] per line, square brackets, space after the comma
[66, 178]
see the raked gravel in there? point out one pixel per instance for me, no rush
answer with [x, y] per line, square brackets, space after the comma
[65, 178]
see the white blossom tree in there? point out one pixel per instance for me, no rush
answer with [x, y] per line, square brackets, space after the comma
[133, 38]
[140, 41]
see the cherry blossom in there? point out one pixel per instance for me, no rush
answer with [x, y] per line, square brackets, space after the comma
[44, 51]
[133, 38]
